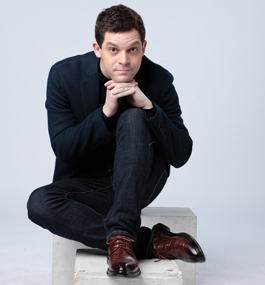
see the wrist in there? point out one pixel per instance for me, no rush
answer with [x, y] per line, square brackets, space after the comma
[106, 112]
[149, 105]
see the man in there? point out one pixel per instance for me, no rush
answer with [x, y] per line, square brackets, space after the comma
[115, 127]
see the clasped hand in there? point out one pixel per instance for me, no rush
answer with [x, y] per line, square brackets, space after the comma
[132, 93]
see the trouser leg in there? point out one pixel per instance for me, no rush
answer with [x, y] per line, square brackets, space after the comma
[89, 209]
[74, 208]
[138, 176]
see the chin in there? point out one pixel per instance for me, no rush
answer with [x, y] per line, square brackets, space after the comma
[122, 79]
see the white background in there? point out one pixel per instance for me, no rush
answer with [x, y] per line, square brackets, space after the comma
[216, 52]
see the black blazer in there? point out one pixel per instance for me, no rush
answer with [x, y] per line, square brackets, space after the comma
[76, 127]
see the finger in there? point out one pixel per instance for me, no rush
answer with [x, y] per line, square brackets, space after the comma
[120, 90]
[109, 82]
[124, 92]
[134, 82]
[125, 85]
[111, 85]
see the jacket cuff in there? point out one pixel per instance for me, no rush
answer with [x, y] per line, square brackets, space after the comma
[110, 123]
[150, 112]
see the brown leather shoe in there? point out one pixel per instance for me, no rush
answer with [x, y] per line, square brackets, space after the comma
[121, 258]
[182, 246]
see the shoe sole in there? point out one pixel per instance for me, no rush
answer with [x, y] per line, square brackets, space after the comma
[111, 273]
[166, 230]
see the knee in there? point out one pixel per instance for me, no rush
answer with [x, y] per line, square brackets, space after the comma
[132, 114]
[132, 119]
[35, 205]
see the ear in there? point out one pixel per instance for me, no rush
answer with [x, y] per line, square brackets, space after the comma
[144, 47]
[97, 49]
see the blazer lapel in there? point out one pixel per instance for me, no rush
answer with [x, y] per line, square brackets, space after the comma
[90, 86]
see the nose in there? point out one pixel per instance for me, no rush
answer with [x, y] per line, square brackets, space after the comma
[123, 58]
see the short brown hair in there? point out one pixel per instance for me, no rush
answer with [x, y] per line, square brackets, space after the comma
[116, 19]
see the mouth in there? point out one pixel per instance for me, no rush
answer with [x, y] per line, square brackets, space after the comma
[123, 70]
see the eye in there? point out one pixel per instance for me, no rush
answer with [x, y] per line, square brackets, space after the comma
[112, 50]
[133, 49]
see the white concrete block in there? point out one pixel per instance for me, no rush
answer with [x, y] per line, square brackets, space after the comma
[177, 219]
[90, 268]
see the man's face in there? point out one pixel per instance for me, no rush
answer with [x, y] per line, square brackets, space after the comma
[120, 55]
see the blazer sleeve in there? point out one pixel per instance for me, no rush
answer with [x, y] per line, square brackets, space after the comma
[72, 141]
[174, 143]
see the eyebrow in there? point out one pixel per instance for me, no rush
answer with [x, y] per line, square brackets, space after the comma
[132, 44]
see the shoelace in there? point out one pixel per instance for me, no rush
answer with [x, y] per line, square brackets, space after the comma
[162, 252]
[123, 241]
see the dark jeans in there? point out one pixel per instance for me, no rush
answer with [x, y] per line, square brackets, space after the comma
[93, 209]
